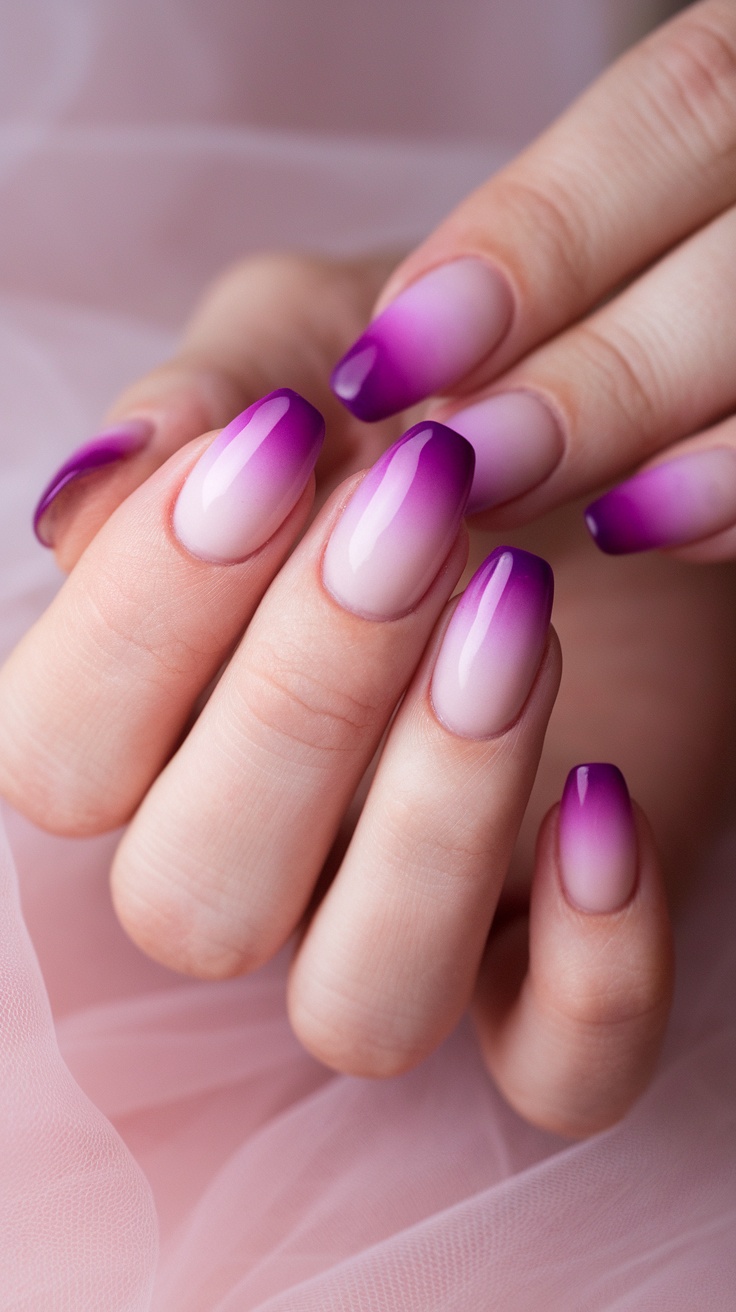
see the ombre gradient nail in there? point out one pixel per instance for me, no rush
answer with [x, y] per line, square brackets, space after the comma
[682, 500]
[517, 443]
[493, 644]
[398, 527]
[429, 338]
[106, 448]
[597, 839]
[243, 487]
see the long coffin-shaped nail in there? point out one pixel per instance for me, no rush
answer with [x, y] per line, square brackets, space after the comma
[517, 442]
[428, 339]
[400, 523]
[106, 448]
[493, 644]
[246, 482]
[679, 501]
[597, 838]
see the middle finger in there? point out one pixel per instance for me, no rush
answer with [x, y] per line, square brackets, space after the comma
[221, 859]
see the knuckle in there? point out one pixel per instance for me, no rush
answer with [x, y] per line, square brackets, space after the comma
[629, 999]
[433, 848]
[626, 369]
[308, 712]
[695, 59]
[558, 222]
[127, 613]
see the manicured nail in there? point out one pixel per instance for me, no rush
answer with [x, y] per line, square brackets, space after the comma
[429, 338]
[243, 487]
[680, 501]
[597, 837]
[400, 523]
[105, 448]
[517, 443]
[493, 644]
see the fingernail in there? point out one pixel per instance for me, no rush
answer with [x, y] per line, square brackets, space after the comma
[243, 487]
[517, 442]
[680, 501]
[429, 338]
[493, 644]
[597, 837]
[105, 448]
[399, 525]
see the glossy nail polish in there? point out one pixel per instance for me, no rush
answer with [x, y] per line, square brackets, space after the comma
[426, 340]
[400, 523]
[106, 448]
[682, 500]
[246, 482]
[517, 443]
[597, 839]
[493, 644]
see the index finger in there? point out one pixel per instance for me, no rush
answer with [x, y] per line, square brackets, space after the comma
[641, 160]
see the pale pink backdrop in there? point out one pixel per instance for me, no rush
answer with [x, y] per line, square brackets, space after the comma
[165, 1144]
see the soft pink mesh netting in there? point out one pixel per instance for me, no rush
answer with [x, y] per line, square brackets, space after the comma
[166, 1144]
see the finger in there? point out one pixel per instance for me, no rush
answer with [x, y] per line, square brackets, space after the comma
[218, 865]
[653, 365]
[571, 1007]
[389, 962]
[684, 503]
[641, 160]
[96, 696]
[269, 322]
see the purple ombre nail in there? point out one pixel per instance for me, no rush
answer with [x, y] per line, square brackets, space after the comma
[249, 478]
[494, 643]
[679, 501]
[400, 523]
[597, 838]
[517, 443]
[106, 448]
[428, 339]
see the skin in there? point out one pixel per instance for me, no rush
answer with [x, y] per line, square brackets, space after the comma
[379, 977]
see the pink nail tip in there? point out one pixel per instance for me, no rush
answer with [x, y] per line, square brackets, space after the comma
[106, 448]
[426, 340]
[679, 501]
[597, 838]
[251, 476]
[493, 645]
[400, 523]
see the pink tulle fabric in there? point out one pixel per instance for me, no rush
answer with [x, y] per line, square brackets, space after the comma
[165, 1144]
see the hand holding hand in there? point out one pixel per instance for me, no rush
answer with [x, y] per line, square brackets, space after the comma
[573, 317]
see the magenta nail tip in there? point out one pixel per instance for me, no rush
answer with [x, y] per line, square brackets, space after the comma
[530, 583]
[249, 478]
[594, 783]
[426, 340]
[619, 525]
[493, 645]
[369, 382]
[447, 458]
[682, 500]
[106, 448]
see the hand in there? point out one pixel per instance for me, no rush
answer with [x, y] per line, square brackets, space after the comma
[573, 317]
[147, 626]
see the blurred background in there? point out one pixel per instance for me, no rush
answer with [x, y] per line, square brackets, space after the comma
[144, 143]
